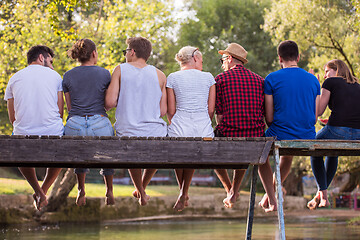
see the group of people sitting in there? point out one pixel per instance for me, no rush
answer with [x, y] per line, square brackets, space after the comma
[288, 101]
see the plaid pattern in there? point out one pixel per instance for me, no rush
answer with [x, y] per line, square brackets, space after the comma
[240, 99]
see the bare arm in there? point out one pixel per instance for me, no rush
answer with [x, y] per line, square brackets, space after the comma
[171, 103]
[112, 93]
[218, 119]
[68, 101]
[211, 101]
[269, 109]
[163, 100]
[11, 110]
[322, 101]
[60, 103]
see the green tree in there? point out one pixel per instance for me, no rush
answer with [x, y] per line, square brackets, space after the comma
[324, 30]
[218, 23]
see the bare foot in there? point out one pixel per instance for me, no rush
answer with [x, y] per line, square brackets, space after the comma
[264, 203]
[324, 203]
[80, 199]
[39, 201]
[313, 204]
[143, 200]
[230, 200]
[180, 203]
[109, 200]
[136, 194]
[186, 201]
[270, 208]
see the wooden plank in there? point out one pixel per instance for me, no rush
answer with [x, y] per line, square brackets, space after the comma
[319, 147]
[132, 152]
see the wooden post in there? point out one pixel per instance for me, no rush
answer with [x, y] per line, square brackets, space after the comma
[251, 203]
[279, 192]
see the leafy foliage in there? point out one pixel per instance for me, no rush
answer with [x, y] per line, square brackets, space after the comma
[218, 23]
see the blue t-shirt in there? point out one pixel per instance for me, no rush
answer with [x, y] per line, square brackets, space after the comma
[294, 92]
[87, 86]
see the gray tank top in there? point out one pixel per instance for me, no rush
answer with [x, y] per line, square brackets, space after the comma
[138, 109]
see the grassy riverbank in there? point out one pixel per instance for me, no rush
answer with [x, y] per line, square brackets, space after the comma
[10, 186]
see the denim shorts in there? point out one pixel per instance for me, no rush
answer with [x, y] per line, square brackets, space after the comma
[334, 132]
[96, 125]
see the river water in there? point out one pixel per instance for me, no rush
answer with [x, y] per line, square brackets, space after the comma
[298, 228]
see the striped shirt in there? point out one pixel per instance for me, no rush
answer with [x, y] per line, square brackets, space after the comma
[240, 100]
[191, 88]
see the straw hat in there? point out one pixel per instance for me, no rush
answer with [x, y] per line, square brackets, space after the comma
[236, 51]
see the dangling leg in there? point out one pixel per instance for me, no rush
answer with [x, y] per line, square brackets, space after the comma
[224, 179]
[146, 178]
[318, 168]
[136, 177]
[80, 199]
[50, 177]
[330, 169]
[184, 191]
[39, 195]
[266, 176]
[108, 179]
[234, 191]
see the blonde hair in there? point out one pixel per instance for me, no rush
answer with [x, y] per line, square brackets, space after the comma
[342, 70]
[185, 54]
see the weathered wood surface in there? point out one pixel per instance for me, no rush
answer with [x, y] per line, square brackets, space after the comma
[132, 152]
[319, 147]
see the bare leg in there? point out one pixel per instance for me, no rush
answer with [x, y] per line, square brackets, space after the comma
[136, 177]
[80, 199]
[50, 177]
[266, 175]
[179, 173]
[234, 191]
[109, 200]
[146, 178]
[285, 167]
[224, 179]
[324, 202]
[39, 195]
[181, 203]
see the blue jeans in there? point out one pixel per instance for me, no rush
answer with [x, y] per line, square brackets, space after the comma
[324, 173]
[96, 125]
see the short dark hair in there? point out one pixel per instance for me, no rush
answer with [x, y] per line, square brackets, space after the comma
[141, 46]
[35, 51]
[82, 50]
[288, 50]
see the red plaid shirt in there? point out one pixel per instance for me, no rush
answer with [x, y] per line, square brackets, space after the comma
[240, 100]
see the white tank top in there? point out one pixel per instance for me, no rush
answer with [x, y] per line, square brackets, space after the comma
[138, 109]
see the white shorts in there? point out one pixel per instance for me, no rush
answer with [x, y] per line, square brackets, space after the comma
[188, 124]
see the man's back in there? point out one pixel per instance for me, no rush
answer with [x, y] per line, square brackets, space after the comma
[138, 108]
[294, 93]
[240, 101]
[35, 92]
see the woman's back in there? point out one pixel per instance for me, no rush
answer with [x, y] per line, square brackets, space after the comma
[344, 102]
[87, 86]
[191, 88]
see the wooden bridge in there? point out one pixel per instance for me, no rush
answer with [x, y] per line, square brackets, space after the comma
[165, 153]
